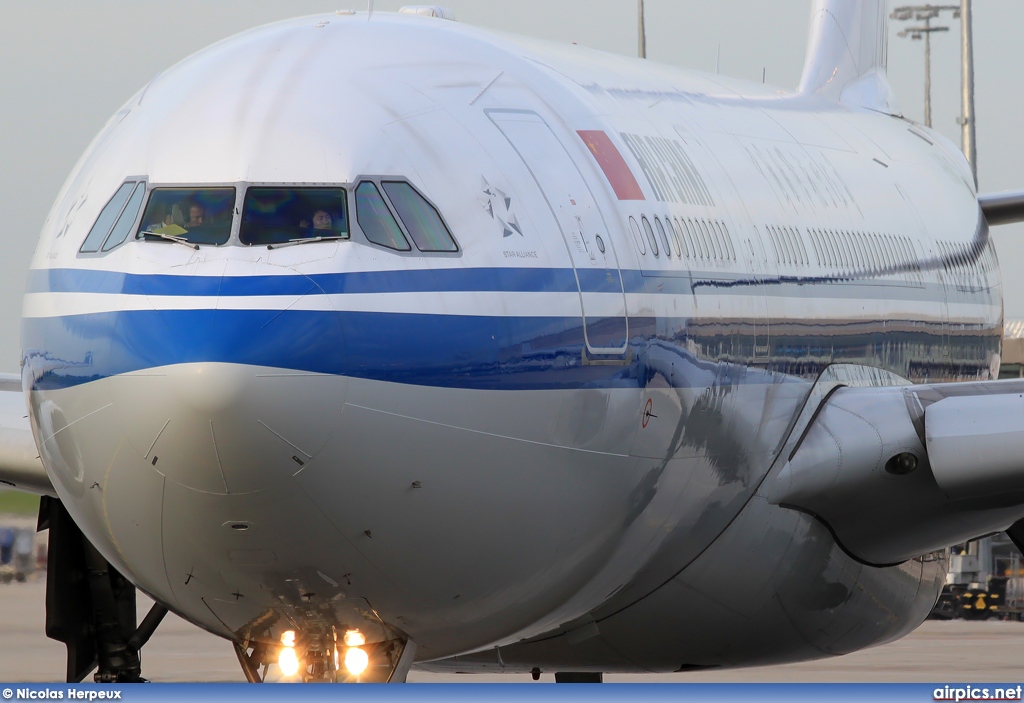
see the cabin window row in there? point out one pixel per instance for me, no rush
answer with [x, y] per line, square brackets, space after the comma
[683, 238]
[959, 260]
[390, 213]
[851, 250]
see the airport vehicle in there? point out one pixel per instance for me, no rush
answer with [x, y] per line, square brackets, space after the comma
[372, 342]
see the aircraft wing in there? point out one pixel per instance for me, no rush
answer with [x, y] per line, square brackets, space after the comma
[20, 466]
[1003, 208]
[900, 471]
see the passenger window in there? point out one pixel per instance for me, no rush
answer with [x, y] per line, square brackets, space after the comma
[637, 236]
[421, 219]
[108, 215]
[727, 238]
[196, 215]
[376, 221]
[664, 237]
[804, 259]
[275, 215]
[677, 240]
[816, 243]
[712, 249]
[699, 245]
[650, 236]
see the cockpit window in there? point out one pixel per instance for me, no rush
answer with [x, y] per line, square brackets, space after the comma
[421, 220]
[196, 215]
[123, 227]
[281, 215]
[376, 221]
[109, 215]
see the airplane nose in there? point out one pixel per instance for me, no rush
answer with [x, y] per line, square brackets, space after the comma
[240, 406]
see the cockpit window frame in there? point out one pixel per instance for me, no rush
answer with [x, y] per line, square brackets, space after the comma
[413, 251]
[100, 249]
[240, 210]
[232, 239]
[241, 188]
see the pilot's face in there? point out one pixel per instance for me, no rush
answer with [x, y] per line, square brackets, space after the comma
[195, 215]
[321, 220]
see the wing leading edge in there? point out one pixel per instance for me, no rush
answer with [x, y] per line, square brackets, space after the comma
[1003, 208]
[20, 466]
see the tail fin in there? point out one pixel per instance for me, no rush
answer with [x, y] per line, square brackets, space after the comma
[847, 53]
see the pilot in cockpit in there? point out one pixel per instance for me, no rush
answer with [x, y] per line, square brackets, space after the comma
[196, 216]
[323, 225]
[171, 222]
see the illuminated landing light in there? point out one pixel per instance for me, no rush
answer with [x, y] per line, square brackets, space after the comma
[288, 638]
[354, 638]
[288, 661]
[356, 661]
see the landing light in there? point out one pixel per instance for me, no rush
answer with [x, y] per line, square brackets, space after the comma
[356, 661]
[288, 638]
[354, 638]
[288, 661]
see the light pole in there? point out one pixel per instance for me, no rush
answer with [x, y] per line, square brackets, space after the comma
[641, 32]
[966, 120]
[924, 13]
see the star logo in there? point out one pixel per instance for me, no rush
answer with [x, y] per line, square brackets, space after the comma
[499, 206]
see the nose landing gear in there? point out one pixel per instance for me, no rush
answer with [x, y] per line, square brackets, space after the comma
[324, 655]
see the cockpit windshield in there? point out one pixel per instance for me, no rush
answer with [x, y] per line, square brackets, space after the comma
[280, 215]
[196, 215]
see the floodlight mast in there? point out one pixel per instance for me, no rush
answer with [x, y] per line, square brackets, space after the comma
[967, 133]
[925, 14]
[641, 31]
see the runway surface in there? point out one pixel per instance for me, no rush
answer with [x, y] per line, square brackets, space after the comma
[937, 652]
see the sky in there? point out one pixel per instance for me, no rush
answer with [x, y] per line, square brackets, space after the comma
[66, 67]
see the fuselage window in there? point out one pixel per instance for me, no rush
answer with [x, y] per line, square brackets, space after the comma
[816, 243]
[276, 215]
[664, 237]
[712, 249]
[716, 234]
[376, 221]
[421, 219]
[677, 239]
[727, 238]
[108, 216]
[791, 250]
[889, 246]
[195, 215]
[638, 237]
[699, 240]
[775, 243]
[784, 244]
[650, 235]
[804, 258]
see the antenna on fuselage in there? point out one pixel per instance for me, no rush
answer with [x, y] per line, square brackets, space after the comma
[369, 10]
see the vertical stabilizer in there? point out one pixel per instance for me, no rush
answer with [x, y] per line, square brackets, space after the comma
[846, 54]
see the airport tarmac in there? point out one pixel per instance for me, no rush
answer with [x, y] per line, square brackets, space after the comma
[938, 652]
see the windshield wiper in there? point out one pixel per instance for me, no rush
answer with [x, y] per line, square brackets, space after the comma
[171, 238]
[306, 240]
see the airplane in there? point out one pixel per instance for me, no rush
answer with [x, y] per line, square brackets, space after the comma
[372, 341]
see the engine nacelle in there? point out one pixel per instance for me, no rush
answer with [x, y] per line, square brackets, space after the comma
[892, 473]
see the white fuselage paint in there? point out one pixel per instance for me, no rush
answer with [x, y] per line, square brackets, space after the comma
[453, 454]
